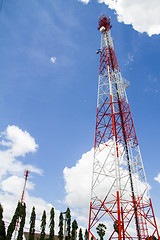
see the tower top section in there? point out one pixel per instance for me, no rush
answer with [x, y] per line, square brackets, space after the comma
[104, 23]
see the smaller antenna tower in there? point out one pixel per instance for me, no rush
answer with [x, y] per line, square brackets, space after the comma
[26, 173]
[24, 187]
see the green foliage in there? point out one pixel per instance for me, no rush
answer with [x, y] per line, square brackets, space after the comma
[101, 230]
[152, 238]
[12, 225]
[60, 233]
[68, 217]
[43, 225]
[32, 224]
[74, 230]
[80, 235]
[22, 222]
[116, 228]
[86, 234]
[2, 226]
[51, 225]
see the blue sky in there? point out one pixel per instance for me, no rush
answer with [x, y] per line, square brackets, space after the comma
[55, 102]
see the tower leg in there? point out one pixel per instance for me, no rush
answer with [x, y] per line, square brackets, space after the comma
[154, 219]
[119, 216]
[89, 221]
[122, 224]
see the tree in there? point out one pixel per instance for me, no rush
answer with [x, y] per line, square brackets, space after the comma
[68, 217]
[74, 230]
[51, 225]
[80, 236]
[86, 234]
[153, 238]
[32, 224]
[116, 228]
[43, 225]
[2, 226]
[101, 230]
[12, 225]
[60, 233]
[22, 222]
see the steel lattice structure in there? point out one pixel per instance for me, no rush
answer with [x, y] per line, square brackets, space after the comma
[119, 193]
[21, 201]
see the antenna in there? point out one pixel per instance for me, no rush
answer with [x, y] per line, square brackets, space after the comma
[26, 173]
[24, 187]
[119, 191]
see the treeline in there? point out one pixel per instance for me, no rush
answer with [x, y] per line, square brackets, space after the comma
[66, 227]
[18, 218]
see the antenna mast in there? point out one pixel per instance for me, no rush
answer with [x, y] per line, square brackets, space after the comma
[21, 200]
[119, 192]
[24, 187]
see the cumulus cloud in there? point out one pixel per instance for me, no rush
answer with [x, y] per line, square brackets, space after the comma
[53, 59]
[78, 178]
[78, 181]
[143, 15]
[17, 143]
[78, 187]
[14, 185]
[9, 203]
[20, 142]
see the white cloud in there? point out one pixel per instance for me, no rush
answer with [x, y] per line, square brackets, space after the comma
[84, 1]
[78, 181]
[78, 178]
[14, 185]
[78, 187]
[9, 203]
[143, 15]
[53, 59]
[157, 178]
[78, 184]
[17, 143]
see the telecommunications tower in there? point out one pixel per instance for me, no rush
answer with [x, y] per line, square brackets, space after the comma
[26, 173]
[120, 192]
[24, 187]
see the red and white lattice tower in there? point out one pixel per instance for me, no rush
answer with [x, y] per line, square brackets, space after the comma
[119, 194]
[21, 200]
[24, 187]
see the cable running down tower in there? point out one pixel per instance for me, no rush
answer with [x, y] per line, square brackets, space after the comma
[119, 192]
